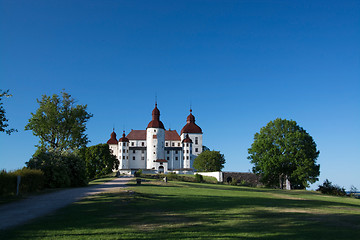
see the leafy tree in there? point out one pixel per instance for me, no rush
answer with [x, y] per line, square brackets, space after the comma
[209, 161]
[59, 123]
[3, 119]
[332, 189]
[284, 151]
[99, 160]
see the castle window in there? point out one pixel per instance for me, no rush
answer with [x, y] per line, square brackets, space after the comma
[187, 151]
[196, 149]
[176, 152]
[173, 144]
[168, 158]
[187, 144]
[154, 152]
[168, 152]
[154, 130]
[187, 157]
[124, 157]
[176, 158]
[120, 150]
[127, 157]
[179, 144]
[127, 151]
[166, 144]
[133, 151]
[142, 143]
[132, 143]
[196, 140]
[133, 157]
[142, 158]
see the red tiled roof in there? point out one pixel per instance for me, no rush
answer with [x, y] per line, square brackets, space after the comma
[191, 126]
[172, 135]
[137, 135]
[160, 160]
[112, 139]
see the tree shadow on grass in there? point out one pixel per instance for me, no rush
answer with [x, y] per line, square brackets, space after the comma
[133, 215]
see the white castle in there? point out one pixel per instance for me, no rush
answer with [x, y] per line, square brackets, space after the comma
[156, 149]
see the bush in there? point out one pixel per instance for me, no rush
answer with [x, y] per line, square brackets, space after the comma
[138, 173]
[31, 181]
[328, 188]
[60, 170]
[199, 178]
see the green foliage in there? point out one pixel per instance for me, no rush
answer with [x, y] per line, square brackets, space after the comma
[138, 173]
[60, 169]
[3, 119]
[199, 178]
[328, 188]
[209, 161]
[284, 150]
[99, 160]
[31, 181]
[59, 123]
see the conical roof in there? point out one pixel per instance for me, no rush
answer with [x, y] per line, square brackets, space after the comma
[112, 139]
[155, 122]
[191, 126]
[123, 139]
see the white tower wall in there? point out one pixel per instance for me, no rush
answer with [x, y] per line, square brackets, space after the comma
[155, 141]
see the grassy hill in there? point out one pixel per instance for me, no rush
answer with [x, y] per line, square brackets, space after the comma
[180, 210]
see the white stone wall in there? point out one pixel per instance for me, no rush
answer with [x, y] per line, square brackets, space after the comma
[217, 175]
[114, 149]
[140, 158]
[187, 151]
[155, 140]
[174, 158]
[123, 155]
[197, 139]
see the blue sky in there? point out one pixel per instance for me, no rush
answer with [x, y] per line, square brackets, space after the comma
[240, 64]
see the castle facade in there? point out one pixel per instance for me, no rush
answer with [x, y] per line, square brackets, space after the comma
[158, 149]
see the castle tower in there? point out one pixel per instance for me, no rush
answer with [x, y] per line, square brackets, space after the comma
[113, 144]
[155, 140]
[187, 148]
[123, 152]
[195, 134]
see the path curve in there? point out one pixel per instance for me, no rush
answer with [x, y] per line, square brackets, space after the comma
[35, 206]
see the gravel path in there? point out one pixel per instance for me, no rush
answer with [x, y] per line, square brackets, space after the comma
[35, 206]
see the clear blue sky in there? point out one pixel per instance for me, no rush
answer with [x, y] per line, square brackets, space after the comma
[240, 64]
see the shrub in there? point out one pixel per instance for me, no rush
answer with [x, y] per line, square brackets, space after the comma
[60, 170]
[199, 178]
[138, 173]
[31, 181]
[328, 188]
[234, 182]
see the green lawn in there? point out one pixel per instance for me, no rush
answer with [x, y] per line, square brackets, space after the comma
[179, 210]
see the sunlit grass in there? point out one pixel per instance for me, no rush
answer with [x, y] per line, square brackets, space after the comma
[178, 210]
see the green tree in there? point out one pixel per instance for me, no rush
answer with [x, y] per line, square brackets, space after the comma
[209, 161]
[284, 151]
[3, 119]
[59, 123]
[99, 160]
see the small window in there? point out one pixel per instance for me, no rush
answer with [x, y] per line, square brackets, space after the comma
[196, 140]
[179, 144]
[127, 151]
[187, 144]
[142, 144]
[196, 149]
[120, 150]
[124, 157]
[133, 151]
[187, 151]
[187, 157]
[127, 157]
[176, 158]
[133, 157]
[132, 143]
[168, 152]
[173, 144]
[166, 144]
[154, 152]
[168, 158]
[176, 152]
[142, 158]
[154, 130]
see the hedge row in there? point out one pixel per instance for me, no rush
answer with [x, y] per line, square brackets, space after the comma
[31, 181]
